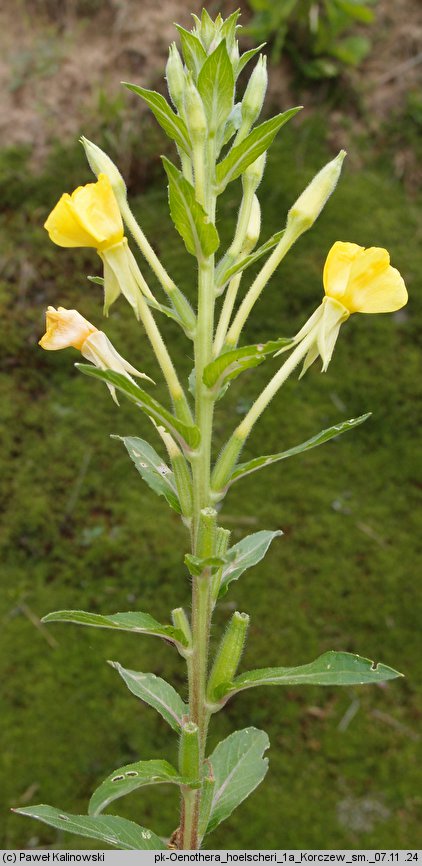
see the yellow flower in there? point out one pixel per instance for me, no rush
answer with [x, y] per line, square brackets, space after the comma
[67, 328]
[90, 217]
[363, 279]
[356, 280]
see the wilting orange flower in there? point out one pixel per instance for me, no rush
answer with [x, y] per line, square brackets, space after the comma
[67, 328]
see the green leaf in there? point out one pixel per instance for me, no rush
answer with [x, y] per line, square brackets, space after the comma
[238, 768]
[197, 565]
[157, 693]
[165, 310]
[330, 669]
[245, 554]
[244, 263]
[172, 124]
[128, 778]
[246, 57]
[216, 87]
[140, 623]
[186, 435]
[191, 221]
[245, 153]
[357, 11]
[230, 364]
[193, 52]
[228, 30]
[260, 462]
[351, 50]
[153, 470]
[110, 829]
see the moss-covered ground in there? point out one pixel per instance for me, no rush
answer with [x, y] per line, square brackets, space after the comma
[80, 529]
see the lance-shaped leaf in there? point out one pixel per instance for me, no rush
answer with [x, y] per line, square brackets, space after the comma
[216, 87]
[157, 693]
[191, 221]
[246, 57]
[238, 768]
[243, 469]
[230, 364]
[245, 153]
[245, 554]
[330, 669]
[244, 263]
[229, 28]
[172, 124]
[153, 470]
[140, 623]
[109, 829]
[194, 53]
[185, 434]
[128, 778]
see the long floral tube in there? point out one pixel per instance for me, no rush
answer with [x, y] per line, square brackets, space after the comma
[261, 280]
[180, 302]
[228, 457]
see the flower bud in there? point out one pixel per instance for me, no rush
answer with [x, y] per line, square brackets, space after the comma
[228, 655]
[206, 532]
[205, 29]
[254, 172]
[100, 163]
[255, 92]
[175, 76]
[181, 622]
[234, 54]
[254, 227]
[189, 753]
[194, 111]
[309, 205]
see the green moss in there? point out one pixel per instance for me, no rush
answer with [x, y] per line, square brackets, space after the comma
[81, 530]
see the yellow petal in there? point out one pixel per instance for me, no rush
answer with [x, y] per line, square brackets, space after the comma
[90, 217]
[65, 328]
[65, 229]
[97, 211]
[374, 286]
[337, 268]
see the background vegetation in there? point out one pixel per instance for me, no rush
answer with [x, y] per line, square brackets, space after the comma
[81, 530]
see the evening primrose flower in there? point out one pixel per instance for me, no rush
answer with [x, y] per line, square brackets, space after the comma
[90, 217]
[356, 280]
[65, 328]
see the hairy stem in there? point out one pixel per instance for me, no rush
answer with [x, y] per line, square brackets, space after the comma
[201, 490]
